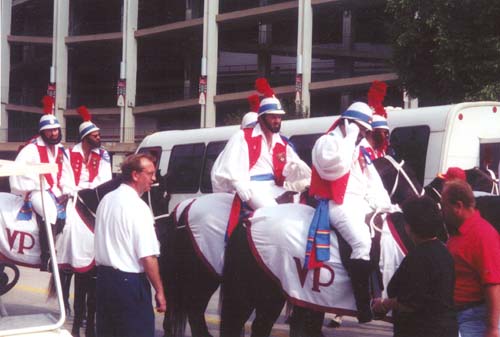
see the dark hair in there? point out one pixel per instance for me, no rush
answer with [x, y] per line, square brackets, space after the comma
[134, 163]
[459, 190]
[423, 216]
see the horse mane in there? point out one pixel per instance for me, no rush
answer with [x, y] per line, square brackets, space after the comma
[480, 180]
[387, 168]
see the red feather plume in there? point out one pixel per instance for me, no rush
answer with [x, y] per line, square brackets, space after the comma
[84, 112]
[376, 96]
[262, 86]
[48, 103]
[254, 102]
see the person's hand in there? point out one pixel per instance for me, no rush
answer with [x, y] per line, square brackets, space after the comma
[243, 190]
[351, 129]
[378, 306]
[161, 302]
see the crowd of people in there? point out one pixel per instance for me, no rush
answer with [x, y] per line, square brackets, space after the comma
[440, 289]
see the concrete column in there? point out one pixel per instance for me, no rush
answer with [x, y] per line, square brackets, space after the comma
[304, 55]
[344, 66]
[5, 20]
[129, 57]
[209, 61]
[60, 59]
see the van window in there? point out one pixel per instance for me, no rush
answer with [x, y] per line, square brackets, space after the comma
[184, 168]
[155, 151]
[211, 154]
[489, 156]
[410, 144]
[303, 145]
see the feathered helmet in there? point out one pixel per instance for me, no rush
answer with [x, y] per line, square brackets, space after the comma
[269, 104]
[250, 118]
[87, 126]
[48, 120]
[376, 96]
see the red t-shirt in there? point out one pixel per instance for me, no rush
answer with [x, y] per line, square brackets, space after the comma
[476, 252]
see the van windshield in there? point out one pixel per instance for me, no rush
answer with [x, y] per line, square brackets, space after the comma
[410, 144]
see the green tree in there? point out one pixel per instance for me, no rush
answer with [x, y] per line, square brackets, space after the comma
[447, 50]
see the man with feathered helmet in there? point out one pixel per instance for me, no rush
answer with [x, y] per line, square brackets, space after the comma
[90, 162]
[348, 187]
[258, 162]
[46, 148]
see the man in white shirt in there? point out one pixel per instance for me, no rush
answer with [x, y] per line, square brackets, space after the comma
[126, 250]
[257, 162]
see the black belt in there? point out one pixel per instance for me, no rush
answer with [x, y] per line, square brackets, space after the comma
[469, 305]
[107, 269]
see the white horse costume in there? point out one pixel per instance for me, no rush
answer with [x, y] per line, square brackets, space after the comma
[278, 237]
[19, 241]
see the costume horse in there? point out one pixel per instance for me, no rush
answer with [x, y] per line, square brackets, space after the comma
[196, 251]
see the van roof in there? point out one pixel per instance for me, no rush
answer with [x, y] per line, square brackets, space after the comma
[175, 137]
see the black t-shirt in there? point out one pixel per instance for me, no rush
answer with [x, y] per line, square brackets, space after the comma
[424, 282]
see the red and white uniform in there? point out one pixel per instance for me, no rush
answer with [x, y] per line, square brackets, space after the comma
[95, 171]
[248, 156]
[62, 182]
[346, 177]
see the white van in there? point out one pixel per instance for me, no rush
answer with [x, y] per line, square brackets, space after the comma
[429, 139]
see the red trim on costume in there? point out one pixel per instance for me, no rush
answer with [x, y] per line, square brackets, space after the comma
[279, 161]
[44, 158]
[254, 146]
[396, 236]
[279, 154]
[77, 163]
[234, 215]
[19, 263]
[67, 266]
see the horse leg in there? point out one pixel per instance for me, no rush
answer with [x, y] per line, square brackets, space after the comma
[306, 323]
[90, 328]
[268, 310]
[197, 306]
[78, 304]
[66, 276]
[238, 291]
[197, 294]
[268, 303]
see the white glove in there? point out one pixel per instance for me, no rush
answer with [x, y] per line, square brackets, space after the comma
[351, 130]
[243, 189]
[294, 171]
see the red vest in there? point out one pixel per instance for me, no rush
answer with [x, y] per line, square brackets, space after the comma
[44, 158]
[279, 155]
[77, 163]
[326, 189]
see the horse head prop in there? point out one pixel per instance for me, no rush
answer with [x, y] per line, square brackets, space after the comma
[398, 179]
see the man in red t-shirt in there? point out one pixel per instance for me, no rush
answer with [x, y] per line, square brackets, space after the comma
[475, 247]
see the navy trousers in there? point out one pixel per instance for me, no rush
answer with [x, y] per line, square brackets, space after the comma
[124, 304]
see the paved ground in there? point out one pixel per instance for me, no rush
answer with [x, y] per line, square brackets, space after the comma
[30, 297]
